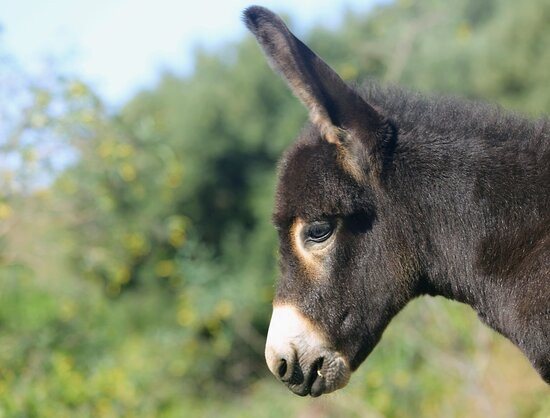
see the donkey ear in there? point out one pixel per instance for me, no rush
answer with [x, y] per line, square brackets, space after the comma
[333, 106]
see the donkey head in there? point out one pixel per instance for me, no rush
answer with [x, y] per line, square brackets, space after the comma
[340, 282]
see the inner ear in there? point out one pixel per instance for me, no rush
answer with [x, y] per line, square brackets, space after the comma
[335, 108]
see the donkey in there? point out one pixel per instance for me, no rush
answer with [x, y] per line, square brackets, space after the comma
[388, 195]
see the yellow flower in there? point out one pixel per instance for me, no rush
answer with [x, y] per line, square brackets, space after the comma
[348, 72]
[43, 194]
[77, 89]
[63, 364]
[174, 175]
[177, 238]
[213, 325]
[186, 316]
[165, 268]
[128, 172]
[105, 149]
[135, 243]
[87, 116]
[463, 32]
[68, 185]
[401, 379]
[122, 274]
[176, 230]
[68, 310]
[124, 150]
[224, 309]
[5, 211]
[42, 98]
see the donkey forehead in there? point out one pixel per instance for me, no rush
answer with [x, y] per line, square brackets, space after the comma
[312, 182]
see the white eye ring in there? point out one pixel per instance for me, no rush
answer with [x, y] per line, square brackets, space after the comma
[319, 373]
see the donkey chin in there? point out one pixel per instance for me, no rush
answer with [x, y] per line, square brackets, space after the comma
[300, 356]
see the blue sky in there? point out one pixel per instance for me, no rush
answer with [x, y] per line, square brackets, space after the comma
[120, 46]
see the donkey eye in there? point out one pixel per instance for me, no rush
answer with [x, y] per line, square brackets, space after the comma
[318, 231]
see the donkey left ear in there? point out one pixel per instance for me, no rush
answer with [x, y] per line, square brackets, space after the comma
[336, 109]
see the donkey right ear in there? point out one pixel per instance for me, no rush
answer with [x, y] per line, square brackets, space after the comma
[336, 109]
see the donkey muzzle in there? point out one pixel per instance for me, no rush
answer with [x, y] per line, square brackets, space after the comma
[299, 355]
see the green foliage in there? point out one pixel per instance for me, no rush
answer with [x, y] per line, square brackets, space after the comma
[137, 259]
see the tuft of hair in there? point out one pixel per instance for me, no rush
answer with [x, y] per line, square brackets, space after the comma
[254, 17]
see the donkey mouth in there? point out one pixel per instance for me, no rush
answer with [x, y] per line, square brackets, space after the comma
[313, 383]
[324, 376]
[333, 374]
[317, 379]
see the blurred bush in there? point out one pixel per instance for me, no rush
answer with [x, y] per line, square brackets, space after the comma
[137, 259]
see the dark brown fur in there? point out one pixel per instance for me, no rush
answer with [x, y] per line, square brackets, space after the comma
[437, 196]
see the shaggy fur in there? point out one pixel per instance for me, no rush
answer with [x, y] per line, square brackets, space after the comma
[431, 195]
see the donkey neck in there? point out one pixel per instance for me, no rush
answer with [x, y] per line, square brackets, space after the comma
[474, 217]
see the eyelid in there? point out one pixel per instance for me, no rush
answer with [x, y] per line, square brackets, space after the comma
[325, 229]
[318, 240]
[318, 223]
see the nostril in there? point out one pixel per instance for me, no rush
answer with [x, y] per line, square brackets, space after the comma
[282, 368]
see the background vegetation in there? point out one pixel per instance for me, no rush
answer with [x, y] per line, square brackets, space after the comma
[137, 259]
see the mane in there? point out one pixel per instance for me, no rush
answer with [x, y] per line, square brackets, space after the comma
[455, 117]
